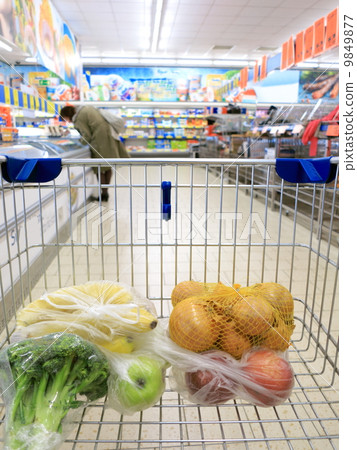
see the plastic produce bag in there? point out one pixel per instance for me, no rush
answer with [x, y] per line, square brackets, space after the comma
[45, 382]
[137, 381]
[232, 319]
[99, 311]
[262, 376]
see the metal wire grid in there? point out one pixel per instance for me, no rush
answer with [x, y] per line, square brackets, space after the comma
[281, 251]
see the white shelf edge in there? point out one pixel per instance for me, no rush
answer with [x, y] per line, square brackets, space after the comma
[142, 104]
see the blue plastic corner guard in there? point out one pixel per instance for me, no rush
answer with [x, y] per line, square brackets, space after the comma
[31, 170]
[316, 170]
[166, 200]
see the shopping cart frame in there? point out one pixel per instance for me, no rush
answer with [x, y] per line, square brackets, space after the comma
[311, 421]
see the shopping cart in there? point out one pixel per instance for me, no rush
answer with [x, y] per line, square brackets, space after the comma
[214, 227]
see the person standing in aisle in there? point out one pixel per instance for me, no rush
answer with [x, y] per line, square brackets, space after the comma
[97, 132]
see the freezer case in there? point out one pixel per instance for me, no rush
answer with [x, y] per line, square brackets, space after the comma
[31, 209]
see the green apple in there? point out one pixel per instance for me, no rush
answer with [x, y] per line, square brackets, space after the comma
[143, 384]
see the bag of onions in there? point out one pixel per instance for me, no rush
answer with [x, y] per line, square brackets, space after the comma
[233, 319]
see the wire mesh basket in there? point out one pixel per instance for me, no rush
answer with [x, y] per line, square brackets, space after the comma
[219, 230]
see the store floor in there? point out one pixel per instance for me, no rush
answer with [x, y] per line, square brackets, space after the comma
[266, 245]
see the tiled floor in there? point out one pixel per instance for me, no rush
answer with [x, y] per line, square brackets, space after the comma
[262, 245]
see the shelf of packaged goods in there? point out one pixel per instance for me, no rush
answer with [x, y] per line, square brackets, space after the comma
[163, 116]
[161, 137]
[173, 105]
[165, 126]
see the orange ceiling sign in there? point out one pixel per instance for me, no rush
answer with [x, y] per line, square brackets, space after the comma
[319, 36]
[263, 69]
[284, 56]
[290, 59]
[331, 37]
[256, 72]
[299, 47]
[244, 76]
[308, 42]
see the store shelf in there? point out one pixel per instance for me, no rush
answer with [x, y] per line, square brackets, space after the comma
[151, 104]
[13, 97]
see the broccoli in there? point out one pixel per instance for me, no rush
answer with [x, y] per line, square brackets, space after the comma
[49, 374]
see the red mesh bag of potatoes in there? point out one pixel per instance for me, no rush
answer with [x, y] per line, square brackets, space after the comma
[232, 319]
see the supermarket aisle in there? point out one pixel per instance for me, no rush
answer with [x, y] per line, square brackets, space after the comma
[202, 242]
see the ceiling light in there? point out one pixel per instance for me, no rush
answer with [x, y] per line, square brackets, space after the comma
[165, 32]
[307, 65]
[126, 61]
[155, 33]
[328, 65]
[194, 62]
[266, 49]
[114, 54]
[159, 61]
[163, 44]
[91, 60]
[145, 45]
[5, 46]
[227, 62]
[222, 48]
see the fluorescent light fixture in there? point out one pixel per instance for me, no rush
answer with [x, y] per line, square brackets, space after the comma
[91, 60]
[157, 22]
[160, 61]
[194, 62]
[307, 65]
[112, 54]
[120, 61]
[165, 32]
[145, 45]
[163, 44]
[328, 65]
[5, 46]
[228, 62]
[31, 59]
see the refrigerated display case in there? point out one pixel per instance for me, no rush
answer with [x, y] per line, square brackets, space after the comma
[41, 206]
[69, 147]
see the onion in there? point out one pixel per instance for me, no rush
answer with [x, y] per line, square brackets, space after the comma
[253, 315]
[186, 289]
[193, 324]
[232, 342]
[277, 295]
[277, 337]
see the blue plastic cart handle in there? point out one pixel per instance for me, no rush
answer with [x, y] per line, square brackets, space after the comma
[38, 170]
[166, 200]
[294, 170]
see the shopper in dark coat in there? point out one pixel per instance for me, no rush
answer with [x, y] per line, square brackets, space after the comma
[98, 134]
